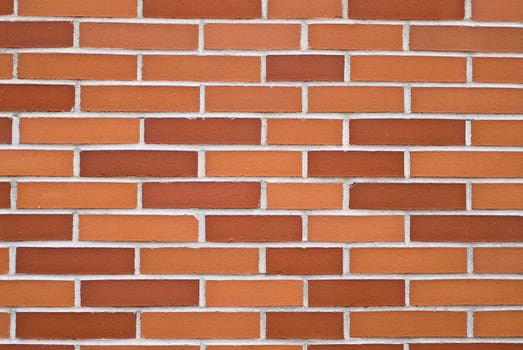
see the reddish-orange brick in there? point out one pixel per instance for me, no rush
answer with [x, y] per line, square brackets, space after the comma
[36, 163]
[33, 227]
[356, 292]
[426, 132]
[408, 260]
[304, 132]
[466, 292]
[139, 36]
[355, 164]
[79, 130]
[77, 66]
[215, 325]
[36, 34]
[407, 196]
[305, 68]
[497, 196]
[139, 347]
[202, 68]
[356, 228]
[75, 325]
[497, 132]
[355, 99]
[356, 347]
[4, 324]
[227, 131]
[355, 37]
[5, 194]
[253, 228]
[36, 347]
[498, 260]
[305, 325]
[201, 195]
[407, 9]
[5, 130]
[466, 346]
[304, 195]
[140, 293]
[6, 7]
[408, 68]
[466, 164]
[254, 293]
[398, 324]
[36, 293]
[202, 9]
[499, 10]
[49, 98]
[498, 323]
[304, 261]
[77, 8]
[140, 99]
[63, 261]
[4, 260]
[254, 347]
[497, 70]
[6, 66]
[467, 100]
[77, 195]
[466, 228]
[252, 99]
[202, 260]
[304, 9]
[252, 36]
[461, 38]
[252, 163]
[139, 228]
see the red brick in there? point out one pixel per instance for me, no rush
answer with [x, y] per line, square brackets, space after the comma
[498, 323]
[355, 37]
[355, 164]
[252, 99]
[36, 347]
[304, 9]
[252, 36]
[35, 227]
[5, 130]
[497, 70]
[202, 9]
[5, 195]
[407, 9]
[368, 228]
[499, 10]
[304, 131]
[5, 324]
[497, 132]
[304, 261]
[356, 347]
[36, 34]
[253, 163]
[25, 293]
[304, 195]
[4, 260]
[6, 7]
[36, 163]
[369, 99]
[305, 68]
[45, 98]
[356, 293]
[497, 196]
[466, 346]
[77, 8]
[498, 260]
[305, 325]
[6, 65]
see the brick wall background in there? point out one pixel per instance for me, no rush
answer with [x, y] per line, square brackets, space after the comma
[261, 174]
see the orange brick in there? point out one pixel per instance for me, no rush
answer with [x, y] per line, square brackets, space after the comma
[356, 347]
[200, 261]
[304, 131]
[136, 347]
[6, 126]
[4, 260]
[202, 68]
[36, 34]
[36, 227]
[466, 164]
[408, 68]
[252, 99]
[252, 36]
[77, 66]
[497, 196]
[499, 10]
[139, 36]
[139, 228]
[355, 37]
[355, 164]
[408, 260]
[77, 8]
[76, 195]
[5, 195]
[6, 7]
[462, 38]
[304, 261]
[254, 293]
[252, 163]
[304, 195]
[304, 9]
[399, 324]
[79, 130]
[36, 293]
[254, 347]
[498, 260]
[188, 325]
[45, 98]
[368, 99]
[4, 324]
[356, 292]
[305, 67]
[36, 163]
[497, 132]
[407, 9]
[202, 9]
[466, 346]
[497, 70]
[140, 99]
[305, 325]
[498, 323]
[6, 66]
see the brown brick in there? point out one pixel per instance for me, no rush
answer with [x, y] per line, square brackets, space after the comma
[6, 65]
[497, 132]
[355, 164]
[45, 98]
[202, 9]
[5, 130]
[34, 227]
[6, 7]
[5, 195]
[36, 34]
[305, 68]
[407, 9]
[356, 293]
[304, 261]
[305, 325]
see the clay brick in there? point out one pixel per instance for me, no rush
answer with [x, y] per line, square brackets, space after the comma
[304, 9]
[4, 260]
[497, 70]
[45, 98]
[252, 99]
[6, 65]
[253, 228]
[305, 325]
[304, 132]
[139, 347]
[36, 34]
[35, 227]
[305, 68]
[77, 8]
[466, 228]
[139, 36]
[369, 99]
[499, 10]
[253, 163]
[254, 293]
[49, 130]
[4, 325]
[140, 293]
[201, 195]
[356, 293]
[497, 196]
[407, 9]
[355, 347]
[252, 36]
[5, 130]
[498, 323]
[25, 293]
[408, 260]
[63, 261]
[200, 261]
[466, 346]
[36, 163]
[355, 37]
[304, 261]
[188, 325]
[203, 131]
[36, 347]
[355, 164]
[75, 325]
[5, 195]
[371, 228]
[498, 260]
[6, 7]
[254, 347]
[139, 228]
[202, 9]
[497, 132]
[304, 195]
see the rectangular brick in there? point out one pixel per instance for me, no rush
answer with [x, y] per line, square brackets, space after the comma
[252, 99]
[304, 131]
[253, 163]
[5, 195]
[36, 227]
[5, 324]
[36, 347]
[44, 98]
[6, 66]
[498, 323]
[304, 195]
[202, 9]
[368, 228]
[25, 293]
[498, 260]
[368, 99]
[305, 67]
[355, 37]
[466, 346]
[36, 163]
[499, 10]
[4, 260]
[5, 130]
[356, 293]
[36, 34]
[356, 347]
[304, 261]
[497, 196]
[407, 9]
[252, 36]
[304, 9]
[497, 70]
[254, 293]
[305, 325]
[355, 164]
[6, 7]
[497, 132]
[77, 8]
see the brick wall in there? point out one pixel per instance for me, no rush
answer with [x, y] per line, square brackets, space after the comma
[261, 174]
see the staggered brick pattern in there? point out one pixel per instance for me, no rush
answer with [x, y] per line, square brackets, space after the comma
[261, 174]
